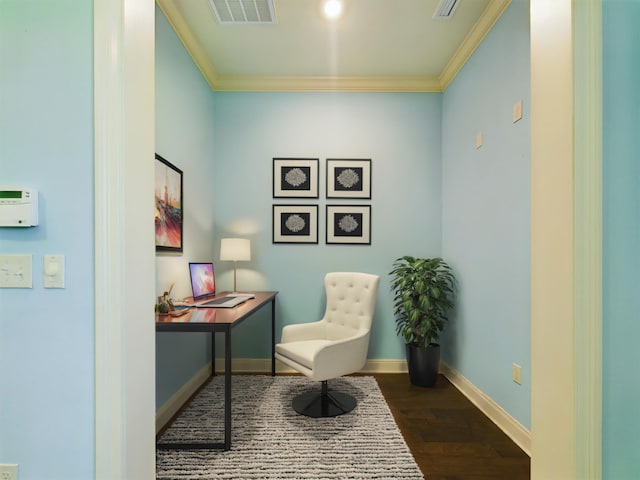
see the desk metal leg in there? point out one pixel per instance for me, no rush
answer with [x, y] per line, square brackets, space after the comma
[213, 354]
[273, 337]
[226, 445]
[227, 389]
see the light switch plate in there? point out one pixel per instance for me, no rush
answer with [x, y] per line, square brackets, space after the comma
[9, 471]
[53, 271]
[16, 271]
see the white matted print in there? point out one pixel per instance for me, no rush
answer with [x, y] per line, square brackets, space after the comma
[295, 177]
[349, 224]
[295, 224]
[348, 178]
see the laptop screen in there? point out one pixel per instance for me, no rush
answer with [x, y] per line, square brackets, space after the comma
[203, 282]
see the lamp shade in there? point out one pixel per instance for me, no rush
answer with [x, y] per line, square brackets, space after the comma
[235, 249]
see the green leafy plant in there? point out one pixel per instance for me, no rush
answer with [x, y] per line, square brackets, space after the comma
[423, 291]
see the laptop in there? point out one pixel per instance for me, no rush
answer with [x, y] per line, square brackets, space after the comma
[203, 286]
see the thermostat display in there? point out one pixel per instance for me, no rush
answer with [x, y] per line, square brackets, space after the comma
[10, 194]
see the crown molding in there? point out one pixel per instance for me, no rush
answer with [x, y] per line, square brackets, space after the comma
[485, 23]
[184, 33]
[325, 84]
[242, 83]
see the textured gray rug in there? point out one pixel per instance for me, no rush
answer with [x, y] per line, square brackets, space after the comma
[271, 441]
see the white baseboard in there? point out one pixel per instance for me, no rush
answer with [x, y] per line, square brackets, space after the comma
[509, 425]
[255, 365]
[385, 366]
[169, 408]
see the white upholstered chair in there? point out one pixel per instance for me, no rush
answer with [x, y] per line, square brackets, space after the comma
[334, 346]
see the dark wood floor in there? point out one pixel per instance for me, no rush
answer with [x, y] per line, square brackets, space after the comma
[448, 436]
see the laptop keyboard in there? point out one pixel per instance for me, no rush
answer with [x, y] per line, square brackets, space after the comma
[217, 301]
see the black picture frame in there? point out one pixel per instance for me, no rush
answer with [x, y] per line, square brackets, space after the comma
[349, 178]
[348, 224]
[169, 206]
[295, 224]
[296, 177]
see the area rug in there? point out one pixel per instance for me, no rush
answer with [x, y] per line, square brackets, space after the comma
[270, 441]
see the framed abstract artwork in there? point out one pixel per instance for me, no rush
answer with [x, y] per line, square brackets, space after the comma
[169, 207]
[295, 178]
[349, 224]
[295, 224]
[348, 178]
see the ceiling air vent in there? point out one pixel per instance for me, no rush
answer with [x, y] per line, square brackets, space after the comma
[445, 9]
[243, 11]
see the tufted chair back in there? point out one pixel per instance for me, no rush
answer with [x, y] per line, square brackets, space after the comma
[337, 344]
[351, 298]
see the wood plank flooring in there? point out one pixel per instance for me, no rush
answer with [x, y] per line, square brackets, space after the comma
[448, 436]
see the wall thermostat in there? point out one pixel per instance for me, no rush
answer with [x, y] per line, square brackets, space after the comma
[18, 207]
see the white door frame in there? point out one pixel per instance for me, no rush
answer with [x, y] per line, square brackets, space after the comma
[566, 229]
[124, 79]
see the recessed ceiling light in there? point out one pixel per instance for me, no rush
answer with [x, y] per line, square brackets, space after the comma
[332, 9]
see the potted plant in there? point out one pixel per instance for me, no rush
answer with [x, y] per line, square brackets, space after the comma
[423, 292]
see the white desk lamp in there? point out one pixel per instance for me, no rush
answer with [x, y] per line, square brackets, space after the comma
[234, 249]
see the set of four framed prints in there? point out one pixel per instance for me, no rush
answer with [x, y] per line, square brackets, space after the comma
[298, 178]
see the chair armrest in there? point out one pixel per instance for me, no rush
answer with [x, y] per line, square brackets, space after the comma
[302, 331]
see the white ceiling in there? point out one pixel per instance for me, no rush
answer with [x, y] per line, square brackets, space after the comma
[378, 45]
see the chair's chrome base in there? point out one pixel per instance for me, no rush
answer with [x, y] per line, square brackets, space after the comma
[319, 404]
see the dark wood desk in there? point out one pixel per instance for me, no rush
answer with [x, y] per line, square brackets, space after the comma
[219, 320]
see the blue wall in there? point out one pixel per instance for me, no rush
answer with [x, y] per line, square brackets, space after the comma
[229, 139]
[46, 142]
[184, 137]
[621, 207]
[433, 194]
[46, 131]
[401, 133]
[486, 214]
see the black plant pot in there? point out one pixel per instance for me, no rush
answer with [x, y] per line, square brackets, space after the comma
[423, 364]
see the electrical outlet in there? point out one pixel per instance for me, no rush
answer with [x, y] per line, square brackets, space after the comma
[516, 373]
[517, 111]
[478, 140]
[9, 471]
